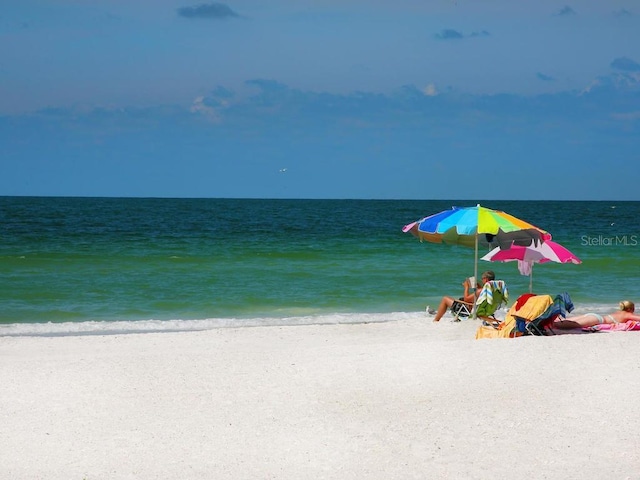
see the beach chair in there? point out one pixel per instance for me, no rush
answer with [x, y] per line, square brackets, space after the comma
[527, 306]
[530, 315]
[493, 294]
[541, 325]
[461, 309]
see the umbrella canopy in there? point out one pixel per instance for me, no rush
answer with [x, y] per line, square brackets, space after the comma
[470, 225]
[473, 226]
[526, 256]
[549, 251]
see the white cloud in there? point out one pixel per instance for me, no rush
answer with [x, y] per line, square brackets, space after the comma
[430, 90]
[200, 107]
[627, 116]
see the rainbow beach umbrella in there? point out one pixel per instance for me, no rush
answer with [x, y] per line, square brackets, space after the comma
[474, 226]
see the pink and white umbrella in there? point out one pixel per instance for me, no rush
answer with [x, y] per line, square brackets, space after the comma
[549, 251]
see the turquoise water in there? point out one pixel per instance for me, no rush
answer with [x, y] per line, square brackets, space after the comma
[71, 264]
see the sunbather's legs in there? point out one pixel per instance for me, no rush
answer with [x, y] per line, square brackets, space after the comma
[586, 320]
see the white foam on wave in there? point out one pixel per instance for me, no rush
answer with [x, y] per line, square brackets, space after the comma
[146, 326]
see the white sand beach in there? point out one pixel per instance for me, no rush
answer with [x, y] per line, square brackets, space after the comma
[399, 400]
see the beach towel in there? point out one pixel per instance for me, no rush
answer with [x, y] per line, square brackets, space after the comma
[525, 267]
[506, 329]
[493, 294]
[490, 288]
[522, 299]
[614, 327]
[561, 305]
[532, 307]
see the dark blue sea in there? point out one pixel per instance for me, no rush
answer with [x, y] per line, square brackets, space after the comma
[96, 265]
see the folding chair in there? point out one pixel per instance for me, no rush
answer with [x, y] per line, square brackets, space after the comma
[493, 294]
[541, 325]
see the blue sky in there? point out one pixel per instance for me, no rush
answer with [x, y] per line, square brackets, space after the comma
[408, 99]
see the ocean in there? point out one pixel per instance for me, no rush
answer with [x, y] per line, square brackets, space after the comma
[117, 265]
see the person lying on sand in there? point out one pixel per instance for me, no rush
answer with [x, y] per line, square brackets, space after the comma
[625, 314]
[469, 296]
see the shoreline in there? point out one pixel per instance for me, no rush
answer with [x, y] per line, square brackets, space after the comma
[403, 399]
[122, 327]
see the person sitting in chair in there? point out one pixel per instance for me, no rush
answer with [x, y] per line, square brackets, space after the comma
[470, 294]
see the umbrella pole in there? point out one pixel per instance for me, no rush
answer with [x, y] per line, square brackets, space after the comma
[531, 279]
[475, 275]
